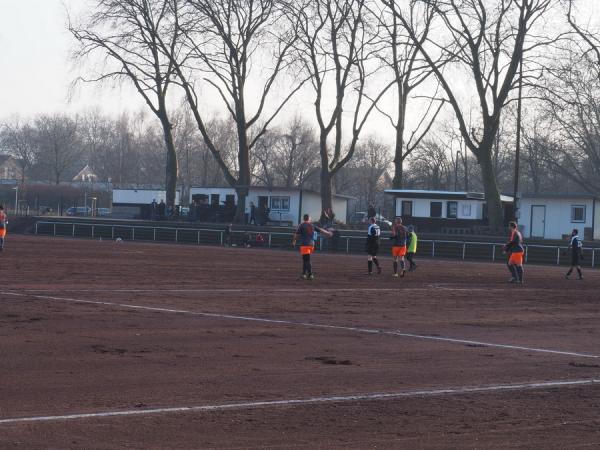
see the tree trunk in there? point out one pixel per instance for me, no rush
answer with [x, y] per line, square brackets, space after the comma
[172, 165]
[490, 187]
[326, 190]
[398, 181]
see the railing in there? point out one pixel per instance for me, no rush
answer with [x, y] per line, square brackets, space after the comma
[472, 251]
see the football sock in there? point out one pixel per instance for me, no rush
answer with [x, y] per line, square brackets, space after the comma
[376, 262]
[402, 264]
[579, 272]
[520, 273]
[370, 266]
[570, 271]
[513, 271]
[395, 266]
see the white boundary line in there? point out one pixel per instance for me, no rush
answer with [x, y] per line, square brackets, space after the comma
[305, 401]
[398, 289]
[309, 325]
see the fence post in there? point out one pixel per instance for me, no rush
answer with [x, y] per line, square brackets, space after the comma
[557, 256]
[526, 253]
[198, 237]
[270, 238]
[493, 252]
[73, 230]
[176, 235]
[433, 249]
[133, 233]
[464, 250]
[347, 245]
[36, 228]
[112, 232]
[55, 230]
[92, 231]
[154, 234]
[593, 258]
[320, 243]
[221, 238]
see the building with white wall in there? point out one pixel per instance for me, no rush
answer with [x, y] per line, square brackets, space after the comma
[552, 216]
[445, 208]
[135, 203]
[287, 205]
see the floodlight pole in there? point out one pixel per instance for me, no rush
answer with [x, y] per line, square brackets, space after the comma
[518, 147]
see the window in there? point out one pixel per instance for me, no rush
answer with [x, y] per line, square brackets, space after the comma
[230, 200]
[466, 210]
[451, 210]
[214, 199]
[435, 209]
[578, 213]
[280, 203]
[407, 208]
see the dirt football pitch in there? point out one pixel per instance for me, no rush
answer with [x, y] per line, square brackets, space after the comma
[132, 345]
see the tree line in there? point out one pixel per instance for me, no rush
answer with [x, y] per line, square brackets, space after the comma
[442, 75]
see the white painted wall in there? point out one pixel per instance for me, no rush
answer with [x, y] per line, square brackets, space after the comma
[140, 196]
[558, 216]
[422, 207]
[311, 202]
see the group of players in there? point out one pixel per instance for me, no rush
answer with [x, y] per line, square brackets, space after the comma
[404, 244]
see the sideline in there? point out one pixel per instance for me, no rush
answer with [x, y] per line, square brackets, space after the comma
[305, 401]
[382, 332]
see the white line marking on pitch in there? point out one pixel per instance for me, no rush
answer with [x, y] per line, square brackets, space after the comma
[306, 401]
[308, 324]
[241, 290]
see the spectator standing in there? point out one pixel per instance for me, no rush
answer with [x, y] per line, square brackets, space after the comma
[371, 211]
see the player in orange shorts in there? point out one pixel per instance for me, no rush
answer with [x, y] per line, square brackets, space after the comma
[306, 234]
[515, 251]
[398, 237]
[2, 227]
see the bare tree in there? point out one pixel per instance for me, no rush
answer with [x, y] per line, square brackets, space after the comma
[286, 155]
[590, 38]
[430, 166]
[365, 176]
[20, 140]
[59, 147]
[572, 103]
[488, 40]
[336, 50]
[225, 39]
[409, 71]
[127, 33]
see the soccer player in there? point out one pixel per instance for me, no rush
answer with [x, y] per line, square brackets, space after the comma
[2, 227]
[411, 248]
[372, 245]
[306, 234]
[514, 248]
[399, 237]
[576, 245]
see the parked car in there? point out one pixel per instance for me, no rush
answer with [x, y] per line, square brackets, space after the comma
[79, 211]
[360, 217]
[101, 212]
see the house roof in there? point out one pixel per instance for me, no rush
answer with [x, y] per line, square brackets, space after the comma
[4, 157]
[444, 195]
[274, 189]
[558, 195]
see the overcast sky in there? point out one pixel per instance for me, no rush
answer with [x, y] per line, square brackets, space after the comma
[36, 71]
[35, 68]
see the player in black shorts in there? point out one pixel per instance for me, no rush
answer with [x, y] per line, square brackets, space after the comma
[576, 246]
[372, 245]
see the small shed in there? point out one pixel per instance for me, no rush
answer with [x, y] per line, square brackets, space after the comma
[555, 215]
[136, 203]
[439, 210]
[286, 205]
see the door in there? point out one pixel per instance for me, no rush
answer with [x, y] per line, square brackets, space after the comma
[538, 221]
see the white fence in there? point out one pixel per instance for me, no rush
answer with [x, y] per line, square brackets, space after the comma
[477, 251]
